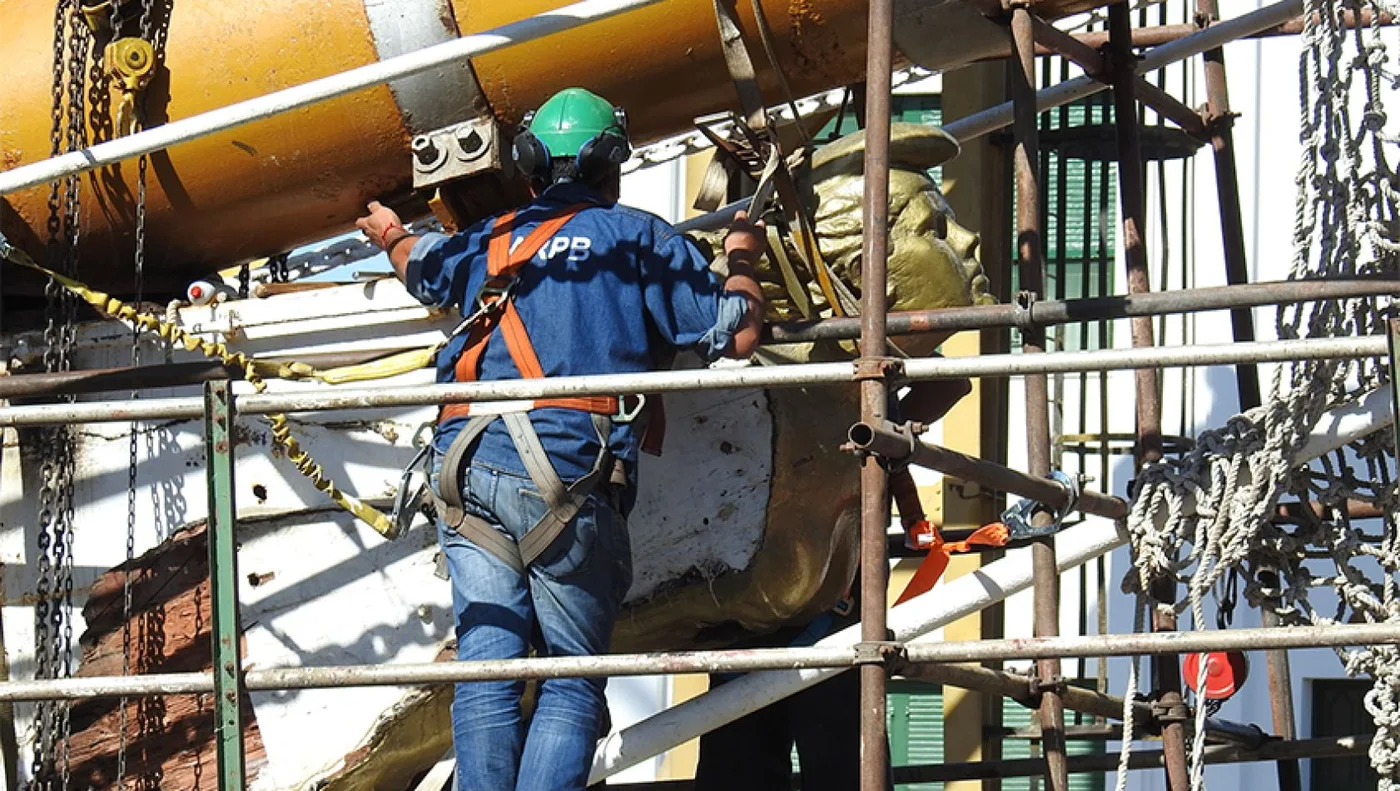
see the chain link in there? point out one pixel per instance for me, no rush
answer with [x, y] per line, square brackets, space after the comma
[53, 625]
[142, 166]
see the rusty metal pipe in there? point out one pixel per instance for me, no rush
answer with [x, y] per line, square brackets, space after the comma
[1148, 449]
[1227, 190]
[1280, 690]
[1052, 312]
[1017, 687]
[1327, 747]
[874, 391]
[1002, 115]
[1169, 107]
[1026, 156]
[894, 442]
[926, 649]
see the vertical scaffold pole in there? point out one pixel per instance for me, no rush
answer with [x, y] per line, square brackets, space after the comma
[1029, 240]
[223, 583]
[874, 370]
[1221, 123]
[1166, 672]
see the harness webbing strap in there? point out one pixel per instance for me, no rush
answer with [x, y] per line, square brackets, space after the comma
[498, 312]
[502, 265]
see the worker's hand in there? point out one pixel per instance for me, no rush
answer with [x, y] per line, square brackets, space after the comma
[746, 240]
[382, 226]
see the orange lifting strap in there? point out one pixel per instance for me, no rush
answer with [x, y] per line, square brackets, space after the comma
[936, 561]
[497, 309]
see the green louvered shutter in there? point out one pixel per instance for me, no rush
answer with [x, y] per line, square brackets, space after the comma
[1014, 715]
[915, 714]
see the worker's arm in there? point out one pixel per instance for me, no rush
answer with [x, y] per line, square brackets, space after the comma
[386, 231]
[743, 245]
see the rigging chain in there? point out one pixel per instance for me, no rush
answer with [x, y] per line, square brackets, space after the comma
[53, 628]
[253, 372]
[142, 165]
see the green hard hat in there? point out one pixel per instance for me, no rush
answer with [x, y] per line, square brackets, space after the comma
[572, 117]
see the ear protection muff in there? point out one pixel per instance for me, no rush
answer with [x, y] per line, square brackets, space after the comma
[529, 154]
[607, 149]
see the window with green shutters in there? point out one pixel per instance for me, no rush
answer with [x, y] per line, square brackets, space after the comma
[915, 713]
[916, 722]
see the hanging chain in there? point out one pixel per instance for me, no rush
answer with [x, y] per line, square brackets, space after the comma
[53, 625]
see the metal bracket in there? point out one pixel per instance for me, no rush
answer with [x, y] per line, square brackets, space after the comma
[1167, 713]
[890, 369]
[1018, 520]
[1023, 315]
[1037, 687]
[887, 653]
[470, 148]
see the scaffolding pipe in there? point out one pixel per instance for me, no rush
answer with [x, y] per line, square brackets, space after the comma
[1221, 123]
[826, 658]
[802, 375]
[1018, 688]
[1216, 35]
[1039, 312]
[268, 105]
[1327, 747]
[1163, 34]
[893, 442]
[1031, 266]
[145, 377]
[1166, 671]
[873, 369]
[1072, 311]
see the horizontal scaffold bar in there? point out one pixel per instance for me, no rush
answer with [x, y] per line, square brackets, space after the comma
[1045, 313]
[337, 398]
[749, 660]
[911, 322]
[1322, 747]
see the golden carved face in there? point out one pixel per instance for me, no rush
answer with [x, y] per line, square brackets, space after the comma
[932, 260]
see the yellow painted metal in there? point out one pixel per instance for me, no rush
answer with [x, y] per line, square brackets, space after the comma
[664, 63]
[255, 190]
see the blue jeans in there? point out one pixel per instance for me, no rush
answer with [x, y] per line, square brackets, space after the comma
[565, 606]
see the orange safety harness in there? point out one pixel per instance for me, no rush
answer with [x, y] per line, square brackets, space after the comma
[495, 310]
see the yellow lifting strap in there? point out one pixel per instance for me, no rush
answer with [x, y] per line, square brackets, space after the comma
[253, 372]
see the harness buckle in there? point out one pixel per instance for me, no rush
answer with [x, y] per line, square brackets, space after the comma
[492, 295]
[625, 415]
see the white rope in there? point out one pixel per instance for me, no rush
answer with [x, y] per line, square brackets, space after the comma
[1197, 518]
[1125, 751]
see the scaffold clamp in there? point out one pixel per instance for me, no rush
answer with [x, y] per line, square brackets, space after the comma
[1017, 518]
[888, 653]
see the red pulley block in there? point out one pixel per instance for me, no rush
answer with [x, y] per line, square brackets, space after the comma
[1226, 672]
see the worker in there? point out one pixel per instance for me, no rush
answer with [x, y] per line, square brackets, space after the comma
[533, 504]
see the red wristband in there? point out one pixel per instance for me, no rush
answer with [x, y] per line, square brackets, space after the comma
[384, 236]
